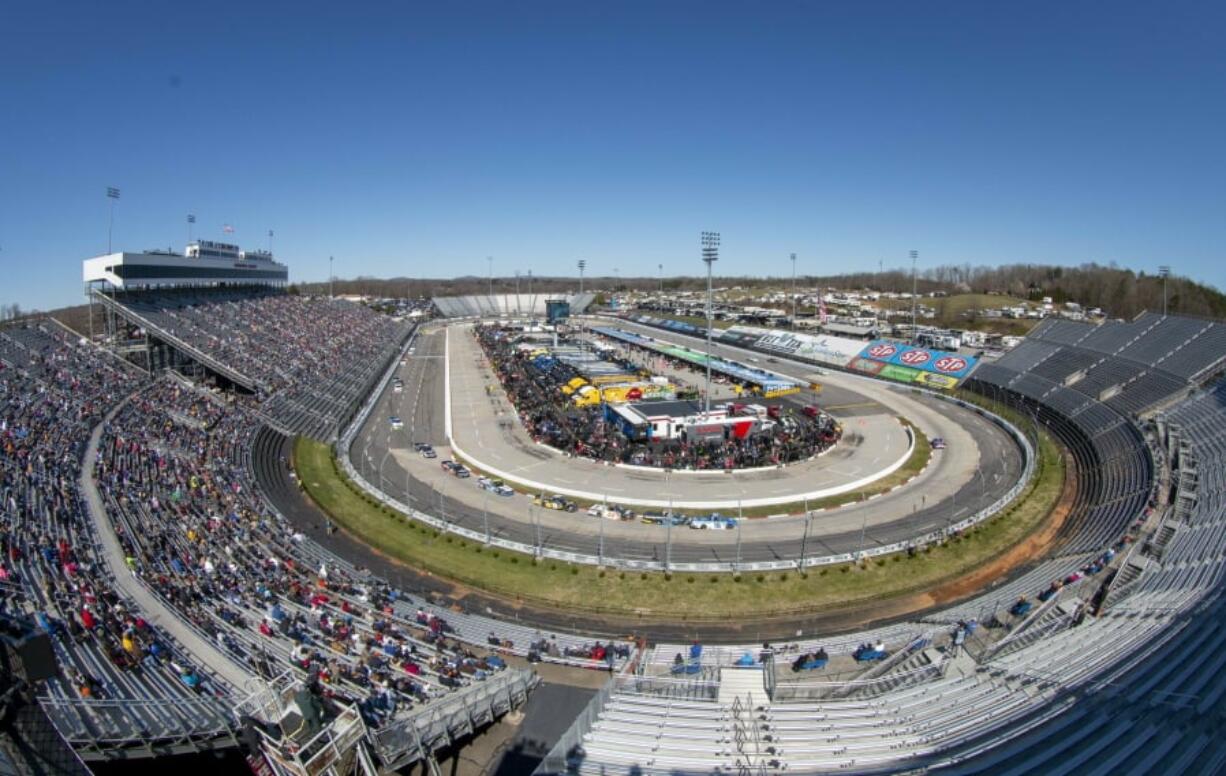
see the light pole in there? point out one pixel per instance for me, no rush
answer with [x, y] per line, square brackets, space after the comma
[269, 241]
[582, 266]
[794, 290]
[191, 220]
[490, 261]
[112, 194]
[660, 267]
[710, 255]
[1165, 272]
[914, 298]
[331, 294]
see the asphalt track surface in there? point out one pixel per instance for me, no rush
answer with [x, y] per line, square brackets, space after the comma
[386, 458]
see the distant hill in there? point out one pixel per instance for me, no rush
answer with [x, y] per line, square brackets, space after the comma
[1121, 293]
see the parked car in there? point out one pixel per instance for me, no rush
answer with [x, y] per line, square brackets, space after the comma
[426, 450]
[554, 502]
[497, 487]
[456, 469]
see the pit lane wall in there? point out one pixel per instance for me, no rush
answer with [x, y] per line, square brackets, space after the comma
[345, 443]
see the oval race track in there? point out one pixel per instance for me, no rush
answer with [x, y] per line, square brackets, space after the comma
[386, 458]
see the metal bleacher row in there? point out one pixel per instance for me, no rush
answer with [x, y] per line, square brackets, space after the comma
[1133, 366]
[506, 305]
[1118, 674]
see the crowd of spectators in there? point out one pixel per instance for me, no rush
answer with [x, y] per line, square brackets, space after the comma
[173, 468]
[312, 357]
[177, 484]
[53, 390]
[534, 387]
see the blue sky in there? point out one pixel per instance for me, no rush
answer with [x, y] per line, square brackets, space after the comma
[418, 138]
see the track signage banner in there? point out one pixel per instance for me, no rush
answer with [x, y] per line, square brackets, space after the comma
[944, 382]
[900, 373]
[939, 362]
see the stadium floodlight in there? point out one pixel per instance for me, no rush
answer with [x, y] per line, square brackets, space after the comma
[331, 277]
[191, 222]
[582, 265]
[112, 194]
[660, 267]
[914, 296]
[490, 260]
[1165, 272]
[710, 255]
[793, 290]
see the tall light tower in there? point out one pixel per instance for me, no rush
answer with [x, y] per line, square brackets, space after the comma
[582, 266]
[710, 255]
[660, 268]
[794, 290]
[331, 294]
[490, 260]
[1165, 272]
[112, 194]
[191, 221]
[914, 297]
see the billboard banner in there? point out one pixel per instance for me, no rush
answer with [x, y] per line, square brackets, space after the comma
[867, 365]
[939, 362]
[944, 382]
[900, 373]
[823, 349]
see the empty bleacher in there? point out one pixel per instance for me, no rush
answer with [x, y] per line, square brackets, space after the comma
[507, 305]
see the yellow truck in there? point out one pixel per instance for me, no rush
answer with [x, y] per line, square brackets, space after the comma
[575, 384]
[586, 396]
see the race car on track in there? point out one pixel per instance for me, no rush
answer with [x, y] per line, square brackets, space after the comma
[713, 523]
[938, 443]
[426, 450]
[396, 423]
[497, 487]
[554, 502]
[610, 512]
[663, 518]
[456, 469]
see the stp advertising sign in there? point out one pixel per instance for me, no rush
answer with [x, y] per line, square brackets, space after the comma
[936, 361]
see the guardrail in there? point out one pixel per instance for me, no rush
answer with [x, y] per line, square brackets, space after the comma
[345, 443]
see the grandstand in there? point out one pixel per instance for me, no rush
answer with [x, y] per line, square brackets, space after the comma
[1113, 665]
[310, 360]
[508, 305]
